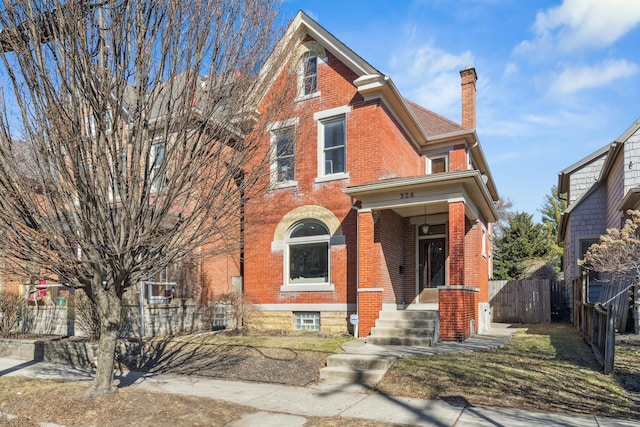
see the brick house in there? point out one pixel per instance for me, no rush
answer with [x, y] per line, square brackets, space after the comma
[599, 189]
[374, 203]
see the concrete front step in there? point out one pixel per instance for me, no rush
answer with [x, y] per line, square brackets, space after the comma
[406, 323]
[408, 341]
[409, 314]
[346, 375]
[360, 361]
[379, 331]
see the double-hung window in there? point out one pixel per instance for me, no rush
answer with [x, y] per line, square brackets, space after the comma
[158, 165]
[332, 143]
[118, 175]
[309, 73]
[283, 161]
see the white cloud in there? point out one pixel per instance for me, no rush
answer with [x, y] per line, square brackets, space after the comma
[510, 69]
[582, 24]
[574, 79]
[430, 76]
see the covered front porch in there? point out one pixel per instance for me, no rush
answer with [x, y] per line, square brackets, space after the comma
[423, 244]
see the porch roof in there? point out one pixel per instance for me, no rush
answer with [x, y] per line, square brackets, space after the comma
[428, 194]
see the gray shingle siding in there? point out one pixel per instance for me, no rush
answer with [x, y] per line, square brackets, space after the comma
[583, 179]
[588, 221]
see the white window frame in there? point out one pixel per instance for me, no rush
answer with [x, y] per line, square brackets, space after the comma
[114, 193]
[157, 182]
[275, 129]
[431, 158]
[302, 77]
[324, 286]
[324, 117]
[306, 73]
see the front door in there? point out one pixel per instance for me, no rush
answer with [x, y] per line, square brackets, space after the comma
[431, 264]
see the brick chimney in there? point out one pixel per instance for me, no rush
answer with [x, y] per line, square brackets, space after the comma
[469, 78]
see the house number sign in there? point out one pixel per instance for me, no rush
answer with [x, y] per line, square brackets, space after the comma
[408, 195]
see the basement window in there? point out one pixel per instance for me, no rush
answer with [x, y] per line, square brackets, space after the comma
[307, 321]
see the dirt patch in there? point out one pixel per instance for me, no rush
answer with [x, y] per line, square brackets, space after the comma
[280, 359]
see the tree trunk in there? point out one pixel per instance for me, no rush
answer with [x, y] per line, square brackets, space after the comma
[636, 308]
[110, 308]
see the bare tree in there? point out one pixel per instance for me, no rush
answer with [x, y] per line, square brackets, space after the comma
[618, 254]
[123, 158]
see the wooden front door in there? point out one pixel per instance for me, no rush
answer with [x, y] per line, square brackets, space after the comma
[431, 264]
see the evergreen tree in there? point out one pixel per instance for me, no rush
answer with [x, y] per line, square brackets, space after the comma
[521, 241]
[551, 210]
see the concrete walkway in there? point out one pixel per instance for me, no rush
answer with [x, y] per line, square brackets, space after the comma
[284, 406]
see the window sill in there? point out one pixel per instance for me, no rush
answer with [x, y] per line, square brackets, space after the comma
[285, 184]
[308, 287]
[333, 177]
[309, 96]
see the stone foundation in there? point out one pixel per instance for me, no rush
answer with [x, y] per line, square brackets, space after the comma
[331, 322]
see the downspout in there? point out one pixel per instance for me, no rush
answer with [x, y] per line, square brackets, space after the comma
[357, 209]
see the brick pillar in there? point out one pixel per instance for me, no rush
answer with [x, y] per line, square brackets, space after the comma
[369, 294]
[456, 243]
[457, 307]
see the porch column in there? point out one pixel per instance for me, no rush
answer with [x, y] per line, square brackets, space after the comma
[456, 243]
[457, 303]
[369, 292]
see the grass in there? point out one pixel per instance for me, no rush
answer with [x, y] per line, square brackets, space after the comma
[298, 342]
[544, 367]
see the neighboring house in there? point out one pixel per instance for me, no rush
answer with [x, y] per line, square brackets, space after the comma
[374, 202]
[599, 189]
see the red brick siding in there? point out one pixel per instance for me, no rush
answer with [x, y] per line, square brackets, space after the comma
[369, 129]
[457, 307]
[458, 159]
[369, 306]
[457, 224]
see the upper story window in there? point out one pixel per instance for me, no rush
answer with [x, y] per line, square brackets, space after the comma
[158, 165]
[284, 155]
[309, 73]
[283, 161]
[118, 170]
[332, 143]
[438, 164]
[310, 55]
[334, 140]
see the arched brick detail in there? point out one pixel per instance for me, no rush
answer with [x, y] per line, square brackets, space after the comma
[307, 212]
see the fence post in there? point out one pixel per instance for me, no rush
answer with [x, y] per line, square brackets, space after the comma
[610, 344]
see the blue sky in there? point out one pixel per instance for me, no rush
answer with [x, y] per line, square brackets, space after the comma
[557, 80]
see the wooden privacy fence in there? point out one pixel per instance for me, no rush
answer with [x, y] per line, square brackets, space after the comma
[520, 301]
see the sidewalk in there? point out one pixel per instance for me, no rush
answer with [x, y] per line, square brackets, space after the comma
[284, 406]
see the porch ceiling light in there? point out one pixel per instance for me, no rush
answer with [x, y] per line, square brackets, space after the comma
[424, 229]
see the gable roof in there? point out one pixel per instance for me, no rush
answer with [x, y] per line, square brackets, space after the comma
[423, 127]
[611, 151]
[433, 123]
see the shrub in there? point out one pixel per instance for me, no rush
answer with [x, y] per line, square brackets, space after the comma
[87, 317]
[230, 311]
[11, 311]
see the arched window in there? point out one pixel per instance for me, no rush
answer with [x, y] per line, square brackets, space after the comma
[307, 255]
[309, 73]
